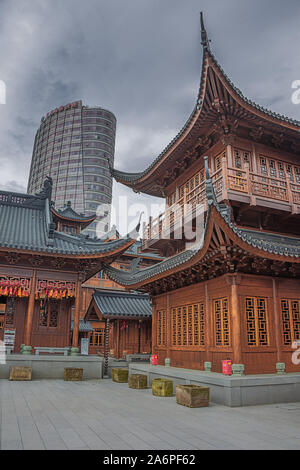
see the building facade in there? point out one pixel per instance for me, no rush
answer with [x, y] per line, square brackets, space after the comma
[42, 270]
[75, 146]
[233, 175]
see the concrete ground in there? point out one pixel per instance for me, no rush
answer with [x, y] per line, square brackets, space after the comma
[101, 414]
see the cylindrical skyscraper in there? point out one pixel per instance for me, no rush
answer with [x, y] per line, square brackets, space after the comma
[75, 146]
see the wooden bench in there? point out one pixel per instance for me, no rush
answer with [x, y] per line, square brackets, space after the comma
[65, 351]
[138, 357]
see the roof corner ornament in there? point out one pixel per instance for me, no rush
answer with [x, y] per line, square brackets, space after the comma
[134, 234]
[134, 265]
[204, 38]
[46, 191]
[210, 192]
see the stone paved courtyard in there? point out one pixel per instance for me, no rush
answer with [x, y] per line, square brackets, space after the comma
[53, 414]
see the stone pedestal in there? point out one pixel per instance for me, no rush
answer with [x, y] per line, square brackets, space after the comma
[162, 387]
[72, 373]
[280, 368]
[207, 366]
[119, 374]
[74, 352]
[26, 350]
[20, 373]
[238, 370]
[193, 396]
[138, 381]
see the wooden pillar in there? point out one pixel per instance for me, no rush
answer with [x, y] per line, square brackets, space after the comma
[225, 177]
[30, 311]
[247, 176]
[117, 333]
[76, 316]
[154, 327]
[106, 347]
[234, 280]
[209, 340]
[229, 154]
[277, 323]
[254, 161]
[168, 327]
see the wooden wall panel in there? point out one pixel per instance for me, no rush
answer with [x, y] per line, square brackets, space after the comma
[52, 337]
[257, 358]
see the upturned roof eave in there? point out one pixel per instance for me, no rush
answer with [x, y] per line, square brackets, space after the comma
[138, 181]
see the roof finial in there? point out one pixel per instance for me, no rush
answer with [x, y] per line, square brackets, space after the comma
[204, 38]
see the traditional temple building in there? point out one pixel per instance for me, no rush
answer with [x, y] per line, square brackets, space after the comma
[229, 288]
[130, 312]
[43, 262]
[127, 317]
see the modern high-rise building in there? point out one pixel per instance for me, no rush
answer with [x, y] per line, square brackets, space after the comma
[75, 146]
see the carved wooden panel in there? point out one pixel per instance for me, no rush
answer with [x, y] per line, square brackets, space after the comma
[257, 321]
[14, 286]
[55, 289]
[161, 328]
[222, 322]
[188, 325]
[49, 313]
[290, 314]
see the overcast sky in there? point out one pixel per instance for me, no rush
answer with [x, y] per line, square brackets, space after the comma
[141, 59]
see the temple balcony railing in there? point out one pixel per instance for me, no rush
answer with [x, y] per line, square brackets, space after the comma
[229, 183]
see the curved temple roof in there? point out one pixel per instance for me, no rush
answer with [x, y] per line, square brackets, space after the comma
[68, 213]
[210, 69]
[261, 244]
[122, 304]
[26, 225]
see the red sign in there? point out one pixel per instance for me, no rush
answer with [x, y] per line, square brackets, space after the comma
[154, 360]
[226, 367]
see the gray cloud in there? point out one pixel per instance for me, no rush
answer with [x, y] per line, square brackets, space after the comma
[139, 58]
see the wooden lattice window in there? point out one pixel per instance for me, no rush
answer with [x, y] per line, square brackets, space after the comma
[10, 312]
[257, 321]
[222, 322]
[161, 328]
[290, 313]
[49, 313]
[188, 325]
[53, 317]
[97, 337]
[240, 158]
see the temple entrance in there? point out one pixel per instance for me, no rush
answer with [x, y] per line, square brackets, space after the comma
[12, 318]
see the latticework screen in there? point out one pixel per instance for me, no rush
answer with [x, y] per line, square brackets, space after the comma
[222, 322]
[290, 314]
[257, 321]
[49, 314]
[188, 325]
[161, 328]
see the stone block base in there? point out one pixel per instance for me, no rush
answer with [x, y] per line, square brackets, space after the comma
[193, 396]
[72, 373]
[162, 387]
[138, 381]
[120, 375]
[20, 373]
